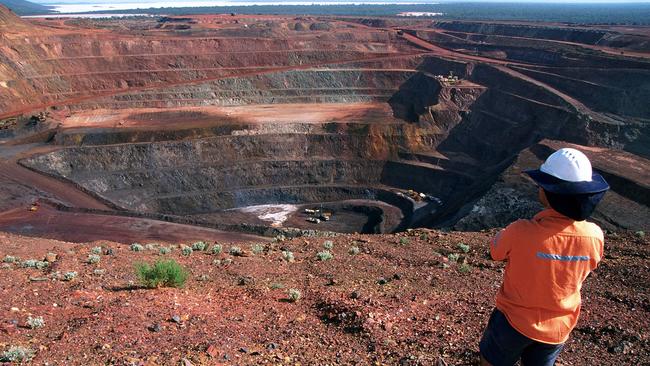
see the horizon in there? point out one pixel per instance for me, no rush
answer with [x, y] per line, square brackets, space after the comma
[280, 2]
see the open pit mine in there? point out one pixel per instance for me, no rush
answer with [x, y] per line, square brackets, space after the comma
[272, 125]
[329, 184]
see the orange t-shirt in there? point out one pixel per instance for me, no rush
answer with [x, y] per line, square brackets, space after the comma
[548, 258]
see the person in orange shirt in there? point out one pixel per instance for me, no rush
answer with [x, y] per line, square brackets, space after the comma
[548, 258]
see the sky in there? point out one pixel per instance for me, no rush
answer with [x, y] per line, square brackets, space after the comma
[316, 1]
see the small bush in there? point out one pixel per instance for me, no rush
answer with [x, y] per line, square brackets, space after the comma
[137, 247]
[465, 268]
[163, 273]
[404, 241]
[93, 258]
[328, 244]
[453, 257]
[424, 236]
[69, 276]
[217, 249]
[96, 250]
[463, 247]
[226, 261]
[36, 322]
[354, 250]
[199, 246]
[164, 250]
[236, 251]
[17, 354]
[276, 286]
[186, 251]
[288, 256]
[99, 272]
[29, 263]
[257, 248]
[640, 234]
[151, 246]
[9, 259]
[33, 263]
[324, 255]
[279, 238]
[294, 295]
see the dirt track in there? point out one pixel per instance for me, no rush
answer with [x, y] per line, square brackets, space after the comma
[82, 227]
[63, 191]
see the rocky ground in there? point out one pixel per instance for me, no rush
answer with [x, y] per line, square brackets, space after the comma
[401, 300]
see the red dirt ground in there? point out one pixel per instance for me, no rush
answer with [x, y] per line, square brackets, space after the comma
[79, 227]
[393, 303]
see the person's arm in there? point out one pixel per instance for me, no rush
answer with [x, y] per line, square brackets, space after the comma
[600, 248]
[500, 245]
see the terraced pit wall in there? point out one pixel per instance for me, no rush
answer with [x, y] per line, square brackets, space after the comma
[449, 141]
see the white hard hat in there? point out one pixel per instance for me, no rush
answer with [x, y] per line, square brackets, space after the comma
[569, 165]
[568, 171]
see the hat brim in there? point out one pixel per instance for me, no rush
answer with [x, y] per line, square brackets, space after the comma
[559, 186]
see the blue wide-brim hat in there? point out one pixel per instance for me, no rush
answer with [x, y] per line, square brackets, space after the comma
[555, 185]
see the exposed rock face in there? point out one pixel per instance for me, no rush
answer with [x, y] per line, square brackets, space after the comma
[589, 36]
[514, 195]
[9, 20]
[234, 112]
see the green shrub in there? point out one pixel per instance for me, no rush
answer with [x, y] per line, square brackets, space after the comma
[164, 250]
[354, 250]
[9, 259]
[257, 248]
[324, 255]
[29, 263]
[163, 273]
[294, 295]
[199, 246]
[36, 322]
[17, 354]
[465, 268]
[453, 257]
[463, 247]
[404, 241]
[96, 250]
[69, 276]
[217, 249]
[328, 244]
[93, 258]
[186, 251]
[33, 263]
[288, 256]
[276, 286]
[137, 247]
[424, 236]
[640, 234]
[236, 251]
